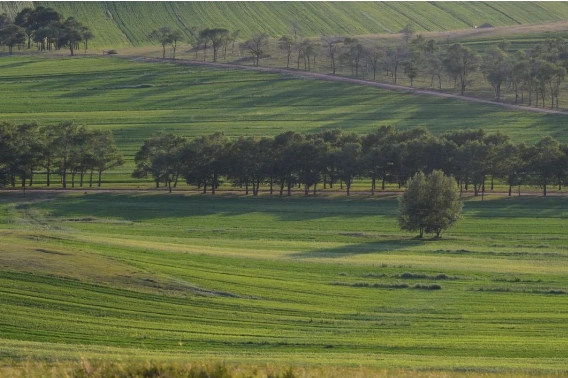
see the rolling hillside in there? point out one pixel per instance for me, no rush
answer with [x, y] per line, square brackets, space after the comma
[122, 24]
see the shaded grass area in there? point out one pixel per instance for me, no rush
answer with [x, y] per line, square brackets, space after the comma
[248, 279]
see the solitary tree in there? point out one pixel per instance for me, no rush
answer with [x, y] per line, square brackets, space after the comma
[430, 204]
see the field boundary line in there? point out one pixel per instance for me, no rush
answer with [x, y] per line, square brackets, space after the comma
[343, 79]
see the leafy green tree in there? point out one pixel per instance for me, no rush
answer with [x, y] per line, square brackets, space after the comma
[285, 43]
[64, 145]
[22, 19]
[349, 164]
[284, 145]
[330, 45]
[217, 36]
[72, 33]
[546, 158]
[256, 46]
[374, 57]
[496, 68]
[105, 154]
[164, 37]
[35, 19]
[160, 157]
[377, 161]
[4, 20]
[430, 204]
[310, 155]
[461, 62]
[88, 35]
[205, 161]
[12, 35]
[244, 164]
[510, 164]
[395, 56]
[353, 54]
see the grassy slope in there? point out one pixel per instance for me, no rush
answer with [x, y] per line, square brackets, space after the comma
[136, 99]
[112, 21]
[11, 8]
[248, 279]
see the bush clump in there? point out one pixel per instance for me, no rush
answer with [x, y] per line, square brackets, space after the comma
[427, 287]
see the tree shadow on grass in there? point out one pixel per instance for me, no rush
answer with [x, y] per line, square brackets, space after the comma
[354, 249]
[141, 207]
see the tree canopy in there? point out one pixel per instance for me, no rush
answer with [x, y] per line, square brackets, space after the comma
[430, 203]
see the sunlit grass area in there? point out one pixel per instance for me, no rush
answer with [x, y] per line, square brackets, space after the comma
[295, 280]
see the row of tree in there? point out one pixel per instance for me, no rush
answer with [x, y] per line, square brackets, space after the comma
[333, 157]
[538, 71]
[46, 28]
[65, 149]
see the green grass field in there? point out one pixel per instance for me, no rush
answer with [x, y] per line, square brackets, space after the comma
[117, 24]
[327, 285]
[282, 280]
[136, 99]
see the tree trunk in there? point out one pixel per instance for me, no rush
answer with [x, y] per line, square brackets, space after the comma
[100, 177]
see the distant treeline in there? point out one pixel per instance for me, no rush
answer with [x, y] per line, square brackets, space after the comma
[474, 157]
[65, 149]
[536, 72]
[46, 28]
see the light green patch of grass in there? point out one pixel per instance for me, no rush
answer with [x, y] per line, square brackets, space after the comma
[248, 280]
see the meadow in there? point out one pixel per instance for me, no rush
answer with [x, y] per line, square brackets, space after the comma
[286, 281]
[119, 25]
[136, 99]
[326, 286]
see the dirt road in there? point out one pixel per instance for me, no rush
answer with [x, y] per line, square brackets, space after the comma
[342, 79]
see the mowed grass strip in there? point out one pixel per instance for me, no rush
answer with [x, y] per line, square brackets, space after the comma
[257, 279]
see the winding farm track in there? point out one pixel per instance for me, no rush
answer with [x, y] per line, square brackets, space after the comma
[343, 79]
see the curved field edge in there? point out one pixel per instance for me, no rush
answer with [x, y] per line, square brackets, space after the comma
[294, 280]
[122, 24]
